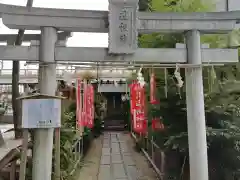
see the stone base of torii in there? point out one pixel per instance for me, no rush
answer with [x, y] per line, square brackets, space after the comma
[123, 22]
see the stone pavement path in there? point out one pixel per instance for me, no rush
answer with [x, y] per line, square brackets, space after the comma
[112, 157]
[118, 160]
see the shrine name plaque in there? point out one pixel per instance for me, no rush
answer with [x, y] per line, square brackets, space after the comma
[123, 26]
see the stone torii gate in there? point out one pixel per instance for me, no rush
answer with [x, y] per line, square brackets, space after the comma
[123, 22]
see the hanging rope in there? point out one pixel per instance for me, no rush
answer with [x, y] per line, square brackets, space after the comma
[178, 77]
[179, 80]
[166, 82]
[140, 77]
[211, 78]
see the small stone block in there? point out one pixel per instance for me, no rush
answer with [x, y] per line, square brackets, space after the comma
[106, 160]
[106, 142]
[105, 151]
[114, 141]
[104, 172]
[118, 171]
[124, 148]
[115, 148]
[106, 145]
[117, 159]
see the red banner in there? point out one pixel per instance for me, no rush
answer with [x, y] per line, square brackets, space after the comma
[84, 108]
[78, 102]
[90, 106]
[157, 124]
[93, 107]
[133, 96]
[153, 99]
[139, 109]
[140, 124]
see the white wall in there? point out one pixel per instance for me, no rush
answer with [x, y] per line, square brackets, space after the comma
[111, 88]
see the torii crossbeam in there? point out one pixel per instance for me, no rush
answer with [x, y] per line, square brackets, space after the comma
[123, 23]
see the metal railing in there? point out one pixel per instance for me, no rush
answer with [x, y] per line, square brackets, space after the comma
[152, 152]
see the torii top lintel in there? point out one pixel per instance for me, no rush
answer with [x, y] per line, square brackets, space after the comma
[16, 17]
[10, 38]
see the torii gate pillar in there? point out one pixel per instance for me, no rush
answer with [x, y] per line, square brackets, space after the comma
[195, 109]
[43, 138]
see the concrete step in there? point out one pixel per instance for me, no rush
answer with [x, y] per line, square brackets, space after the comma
[114, 125]
[114, 128]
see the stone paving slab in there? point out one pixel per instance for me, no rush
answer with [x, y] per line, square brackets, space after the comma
[106, 151]
[128, 160]
[117, 159]
[119, 171]
[133, 172]
[105, 160]
[104, 172]
[115, 148]
[106, 145]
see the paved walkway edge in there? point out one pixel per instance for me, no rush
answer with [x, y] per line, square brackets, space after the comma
[91, 161]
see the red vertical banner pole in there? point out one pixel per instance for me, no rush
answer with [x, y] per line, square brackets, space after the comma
[87, 105]
[135, 105]
[140, 122]
[78, 102]
[157, 124]
[84, 120]
[132, 103]
[90, 106]
[138, 109]
[132, 96]
[156, 121]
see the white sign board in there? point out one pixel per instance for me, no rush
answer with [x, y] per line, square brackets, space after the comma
[123, 26]
[41, 113]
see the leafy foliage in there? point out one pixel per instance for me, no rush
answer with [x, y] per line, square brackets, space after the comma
[221, 99]
[69, 162]
[70, 138]
[144, 5]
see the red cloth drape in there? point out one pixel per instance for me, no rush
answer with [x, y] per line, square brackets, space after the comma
[153, 99]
